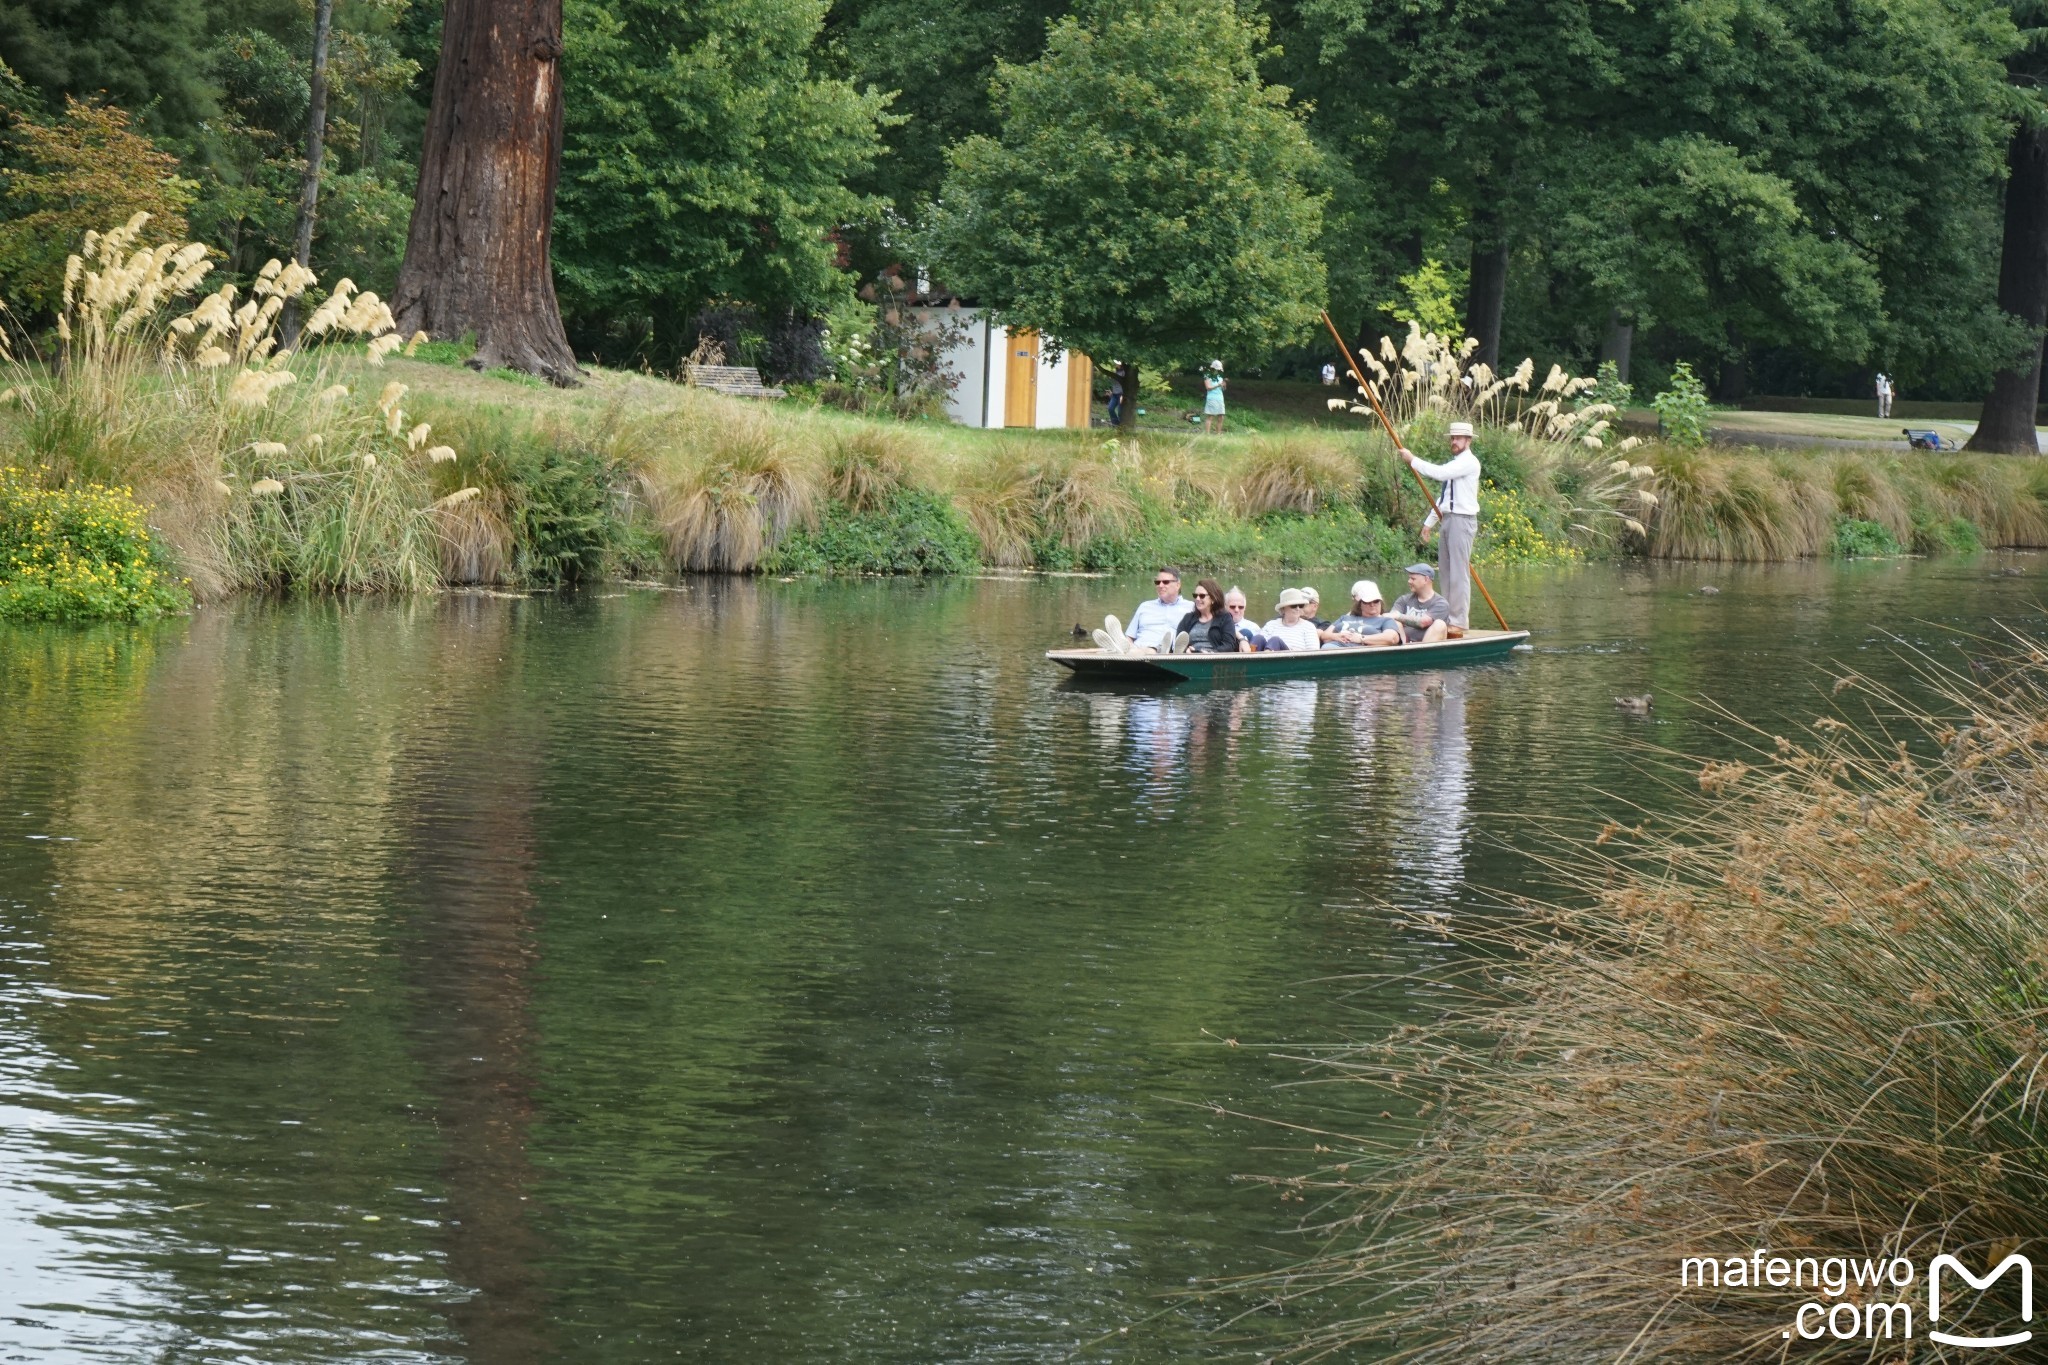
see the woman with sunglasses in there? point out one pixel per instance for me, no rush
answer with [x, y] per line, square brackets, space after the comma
[1209, 628]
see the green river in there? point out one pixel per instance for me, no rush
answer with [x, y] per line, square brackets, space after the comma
[763, 971]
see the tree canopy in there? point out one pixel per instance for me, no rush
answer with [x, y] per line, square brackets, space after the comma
[1148, 196]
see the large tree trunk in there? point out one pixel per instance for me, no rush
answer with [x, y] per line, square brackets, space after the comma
[1620, 341]
[476, 259]
[1732, 384]
[2006, 425]
[1487, 297]
[1127, 375]
[316, 152]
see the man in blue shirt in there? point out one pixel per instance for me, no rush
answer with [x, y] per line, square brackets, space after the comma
[1156, 619]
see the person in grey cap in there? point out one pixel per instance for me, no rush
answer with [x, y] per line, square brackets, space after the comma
[1424, 613]
[1458, 501]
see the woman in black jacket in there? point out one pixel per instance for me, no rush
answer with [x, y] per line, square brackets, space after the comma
[1208, 627]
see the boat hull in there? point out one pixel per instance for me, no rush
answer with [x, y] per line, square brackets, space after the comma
[1237, 669]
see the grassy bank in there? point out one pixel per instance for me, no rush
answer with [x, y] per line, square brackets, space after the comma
[1801, 1009]
[347, 467]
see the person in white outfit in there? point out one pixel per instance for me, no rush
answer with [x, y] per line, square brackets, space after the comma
[1287, 629]
[1457, 499]
[1884, 394]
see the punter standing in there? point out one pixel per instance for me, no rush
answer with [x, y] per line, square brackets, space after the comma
[1458, 501]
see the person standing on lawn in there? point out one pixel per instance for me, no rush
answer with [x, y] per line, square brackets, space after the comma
[1212, 398]
[1458, 502]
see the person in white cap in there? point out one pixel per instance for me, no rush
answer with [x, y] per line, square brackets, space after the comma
[1366, 623]
[1288, 630]
[1212, 397]
[1458, 501]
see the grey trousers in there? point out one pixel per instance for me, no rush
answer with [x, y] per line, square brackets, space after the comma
[1454, 563]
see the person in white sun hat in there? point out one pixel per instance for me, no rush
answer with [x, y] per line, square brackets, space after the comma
[1458, 500]
[1212, 397]
[1287, 629]
[1367, 623]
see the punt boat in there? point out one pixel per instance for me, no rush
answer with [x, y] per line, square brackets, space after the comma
[1234, 669]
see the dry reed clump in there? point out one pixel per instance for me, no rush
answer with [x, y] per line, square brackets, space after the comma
[1808, 1012]
[1753, 505]
[1294, 473]
[1022, 493]
[724, 502]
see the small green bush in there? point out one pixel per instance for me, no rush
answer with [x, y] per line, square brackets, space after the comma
[564, 526]
[1947, 536]
[78, 554]
[1682, 409]
[1509, 534]
[1338, 537]
[915, 532]
[1856, 538]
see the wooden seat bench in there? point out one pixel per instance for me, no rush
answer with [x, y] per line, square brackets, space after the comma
[741, 381]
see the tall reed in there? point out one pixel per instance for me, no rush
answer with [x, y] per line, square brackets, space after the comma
[1802, 1006]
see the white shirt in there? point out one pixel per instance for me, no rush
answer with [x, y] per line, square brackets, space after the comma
[1461, 472]
[1154, 621]
[1300, 635]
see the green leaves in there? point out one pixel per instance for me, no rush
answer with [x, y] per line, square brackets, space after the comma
[1148, 196]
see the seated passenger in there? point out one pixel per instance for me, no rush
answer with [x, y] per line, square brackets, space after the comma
[1234, 603]
[1424, 613]
[1314, 614]
[1366, 624]
[1210, 629]
[1289, 630]
[1152, 624]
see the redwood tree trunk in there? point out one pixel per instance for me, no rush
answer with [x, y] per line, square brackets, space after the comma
[477, 257]
[1487, 297]
[2006, 425]
[1621, 338]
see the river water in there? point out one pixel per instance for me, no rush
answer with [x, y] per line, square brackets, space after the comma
[757, 970]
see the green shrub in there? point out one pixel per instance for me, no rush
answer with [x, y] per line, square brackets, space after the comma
[78, 554]
[1856, 538]
[914, 532]
[1682, 409]
[1340, 537]
[1947, 535]
[564, 526]
[1509, 534]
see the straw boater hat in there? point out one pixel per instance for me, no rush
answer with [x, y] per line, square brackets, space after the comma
[1460, 429]
[1291, 597]
[1365, 590]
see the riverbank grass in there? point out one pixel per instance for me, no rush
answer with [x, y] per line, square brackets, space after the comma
[1801, 1006]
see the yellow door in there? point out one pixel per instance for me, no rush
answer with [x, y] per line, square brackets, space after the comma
[1020, 383]
[1080, 388]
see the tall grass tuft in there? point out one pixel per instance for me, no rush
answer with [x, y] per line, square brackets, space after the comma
[1302, 473]
[1802, 1007]
[725, 503]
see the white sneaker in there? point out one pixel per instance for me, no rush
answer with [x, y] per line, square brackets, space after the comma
[1181, 642]
[1106, 642]
[1115, 630]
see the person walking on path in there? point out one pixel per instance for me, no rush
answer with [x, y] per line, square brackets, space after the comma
[1212, 398]
[1458, 501]
[1884, 394]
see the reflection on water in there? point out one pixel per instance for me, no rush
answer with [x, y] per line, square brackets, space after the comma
[759, 970]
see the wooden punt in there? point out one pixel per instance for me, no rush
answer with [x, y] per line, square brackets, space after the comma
[1234, 669]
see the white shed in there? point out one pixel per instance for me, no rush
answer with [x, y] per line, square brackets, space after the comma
[1007, 379]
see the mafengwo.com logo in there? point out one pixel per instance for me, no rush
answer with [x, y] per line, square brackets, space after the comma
[1860, 1298]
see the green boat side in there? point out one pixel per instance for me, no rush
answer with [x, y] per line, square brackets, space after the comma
[1475, 647]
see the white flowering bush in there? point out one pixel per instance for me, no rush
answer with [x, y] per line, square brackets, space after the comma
[259, 464]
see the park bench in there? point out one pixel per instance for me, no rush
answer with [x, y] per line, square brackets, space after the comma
[741, 381]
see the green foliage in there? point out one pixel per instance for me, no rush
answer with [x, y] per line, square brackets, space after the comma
[82, 553]
[1682, 409]
[1429, 298]
[705, 157]
[1947, 535]
[1609, 389]
[915, 532]
[1148, 195]
[1856, 538]
[565, 527]
[81, 172]
[1509, 533]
